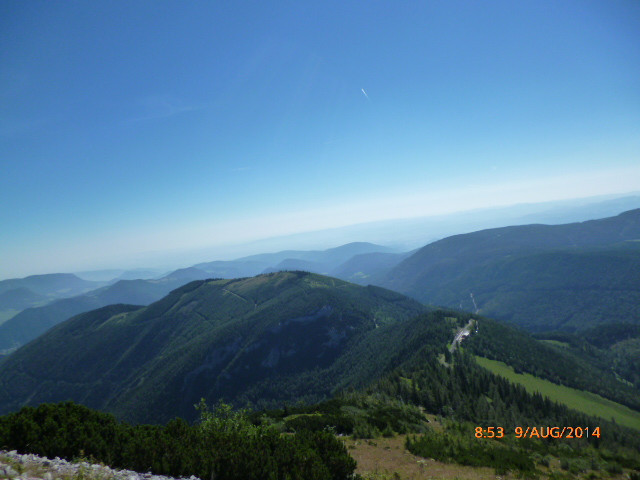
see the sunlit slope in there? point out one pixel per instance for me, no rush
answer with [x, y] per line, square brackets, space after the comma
[585, 402]
[498, 341]
[275, 337]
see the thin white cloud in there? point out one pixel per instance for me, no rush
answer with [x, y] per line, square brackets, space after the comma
[365, 93]
[160, 106]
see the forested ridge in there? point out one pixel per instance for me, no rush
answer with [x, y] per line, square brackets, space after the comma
[614, 347]
[542, 277]
[368, 363]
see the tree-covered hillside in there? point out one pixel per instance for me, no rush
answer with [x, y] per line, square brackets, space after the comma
[541, 277]
[615, 347]
[570, 367]
[378, 361]
[569, 290]
[28, 324]
[271, 338]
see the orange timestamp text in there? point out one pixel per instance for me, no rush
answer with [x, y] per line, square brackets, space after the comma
[539, 432]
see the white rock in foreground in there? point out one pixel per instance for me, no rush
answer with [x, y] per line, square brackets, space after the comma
[14, 465]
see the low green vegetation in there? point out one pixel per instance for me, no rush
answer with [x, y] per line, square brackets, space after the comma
[357, 414]
[459, 442]
[585, 402]
[223, 444]
[453, 447]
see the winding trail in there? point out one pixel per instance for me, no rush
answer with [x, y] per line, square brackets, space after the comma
[236, 295]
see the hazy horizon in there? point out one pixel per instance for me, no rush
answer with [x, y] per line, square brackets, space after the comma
[398, 234]
[136, 132]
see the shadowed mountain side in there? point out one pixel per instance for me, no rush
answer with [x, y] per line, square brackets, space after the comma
[564, 290]
[32, 322]
[424, 274]
[368, 268]
[266, 339]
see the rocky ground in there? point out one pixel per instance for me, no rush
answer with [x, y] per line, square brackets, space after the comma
[15, 466]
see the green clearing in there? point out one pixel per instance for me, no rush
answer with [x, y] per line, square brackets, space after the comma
[585, 402]
[556, 343]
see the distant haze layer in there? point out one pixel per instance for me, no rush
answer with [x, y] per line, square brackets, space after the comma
[402, 234]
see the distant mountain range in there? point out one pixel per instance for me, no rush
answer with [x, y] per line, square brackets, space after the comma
[21, 327]
[542, 277]
[409, 233]
[317, 261]
[54, 285]
[16, 294]
[31, 322]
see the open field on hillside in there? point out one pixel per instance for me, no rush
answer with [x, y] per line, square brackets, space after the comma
[556, 343]
[388, 459]
[582, 401]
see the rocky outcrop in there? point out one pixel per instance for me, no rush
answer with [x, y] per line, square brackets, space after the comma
[14, 466]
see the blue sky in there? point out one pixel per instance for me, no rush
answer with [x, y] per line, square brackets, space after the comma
[129, 127]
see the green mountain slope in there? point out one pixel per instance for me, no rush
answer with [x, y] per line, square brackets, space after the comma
[579, 400]
[524, 353]
[614, 347]
[28, 324]
[562, 290]
[273, 339]
[519, 274]
[366, 268]
[276, 337]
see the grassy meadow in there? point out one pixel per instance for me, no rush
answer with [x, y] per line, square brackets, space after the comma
[585, 402]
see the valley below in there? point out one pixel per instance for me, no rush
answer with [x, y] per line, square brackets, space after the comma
[290, 373]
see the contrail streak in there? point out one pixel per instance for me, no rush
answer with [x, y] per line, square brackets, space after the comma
[365, 93]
